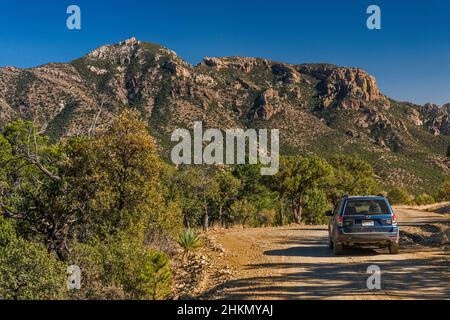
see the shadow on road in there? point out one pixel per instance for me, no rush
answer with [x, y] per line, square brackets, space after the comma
[320, 251]
[316, 247]
[405, 279]
[301, 266]
[310, 251]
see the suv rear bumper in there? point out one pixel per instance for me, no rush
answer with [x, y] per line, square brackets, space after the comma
[368, 238]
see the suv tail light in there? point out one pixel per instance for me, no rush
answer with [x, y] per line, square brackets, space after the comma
[392, 220]
[340, 221]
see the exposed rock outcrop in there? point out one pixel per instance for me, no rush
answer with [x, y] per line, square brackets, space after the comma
[242, 64]
[317, 107]
[120, 53]
[343, 87]
[266, 105]
[436, 118]
[286, 73]
[414, 116]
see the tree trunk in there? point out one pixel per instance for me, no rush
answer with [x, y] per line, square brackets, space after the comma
[220, 217]
[281, 214]
[294, 206]
[295, 215]
[61, 250]
[57, 245]
[205, 221]
[187, 224]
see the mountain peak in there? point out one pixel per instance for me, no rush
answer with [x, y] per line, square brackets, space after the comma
[126, 47]
[125, 50]
[318, 108]
[130, 42]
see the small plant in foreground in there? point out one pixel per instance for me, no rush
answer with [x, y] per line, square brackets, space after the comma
[189, 241]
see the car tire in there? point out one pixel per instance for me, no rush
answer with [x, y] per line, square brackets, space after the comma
[393, 248]
[338, 248]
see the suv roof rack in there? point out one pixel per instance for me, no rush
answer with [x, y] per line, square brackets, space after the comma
[368, 196]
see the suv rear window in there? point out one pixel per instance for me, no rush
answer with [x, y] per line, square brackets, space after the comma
[366, 207]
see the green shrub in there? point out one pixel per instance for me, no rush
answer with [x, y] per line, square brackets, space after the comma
[424, 199]
[7, 232]
[156, 276]
[122, 267]
[399, 195]
[316, 204]
[189, 241]
[265, 218]
[29, 272]
[242, 211]
[98, 276]
[444, 192]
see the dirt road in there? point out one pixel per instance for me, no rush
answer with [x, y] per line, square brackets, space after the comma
[295, 263]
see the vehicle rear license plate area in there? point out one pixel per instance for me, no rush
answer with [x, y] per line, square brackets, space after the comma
[367, 223]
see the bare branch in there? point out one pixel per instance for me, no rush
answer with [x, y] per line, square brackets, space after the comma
[94, 123]
[34, 158]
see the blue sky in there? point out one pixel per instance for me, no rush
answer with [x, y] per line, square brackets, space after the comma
[410, 56]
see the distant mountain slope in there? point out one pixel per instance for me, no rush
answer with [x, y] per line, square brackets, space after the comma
[319, 108]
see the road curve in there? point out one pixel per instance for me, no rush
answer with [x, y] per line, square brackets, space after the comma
[295, 263]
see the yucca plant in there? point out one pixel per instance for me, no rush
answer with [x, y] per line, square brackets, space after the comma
[189, 241]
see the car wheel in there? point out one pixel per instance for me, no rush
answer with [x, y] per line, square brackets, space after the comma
[338, 248]
[393, 248]
[330, 244]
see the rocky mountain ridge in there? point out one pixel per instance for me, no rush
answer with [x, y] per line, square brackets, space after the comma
[319, 108]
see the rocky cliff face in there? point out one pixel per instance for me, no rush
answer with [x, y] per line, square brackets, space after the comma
[436, 118]
[343, 87]
[319, 108]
